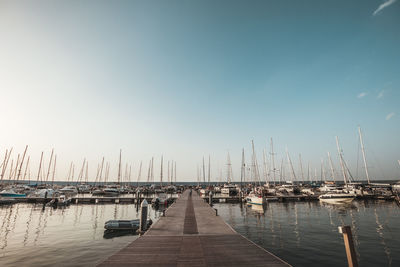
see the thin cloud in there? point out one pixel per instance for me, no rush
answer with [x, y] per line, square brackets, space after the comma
[383, 5]
[380, 95]
[361, 95]
[389, 116]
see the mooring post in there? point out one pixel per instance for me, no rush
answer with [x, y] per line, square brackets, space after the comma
[210, 198]
[143, 215]
[45, 200]
[348, 243]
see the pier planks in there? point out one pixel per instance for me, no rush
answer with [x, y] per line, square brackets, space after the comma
[192, 235]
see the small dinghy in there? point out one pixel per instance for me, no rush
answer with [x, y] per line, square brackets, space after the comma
[125, 224]
[60, 201]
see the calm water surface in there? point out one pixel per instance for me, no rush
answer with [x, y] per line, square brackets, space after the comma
[302, 233]
[306, 233]
[72, 236]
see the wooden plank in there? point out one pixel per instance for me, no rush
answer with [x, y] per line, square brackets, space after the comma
[192, 235]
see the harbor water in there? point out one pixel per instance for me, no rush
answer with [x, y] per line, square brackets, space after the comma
[306, 233]
[301, 233]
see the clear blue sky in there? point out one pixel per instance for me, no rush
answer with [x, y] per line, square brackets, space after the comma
[191, 78]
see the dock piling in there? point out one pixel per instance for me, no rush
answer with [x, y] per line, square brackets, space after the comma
[348, 242]
[143, 215]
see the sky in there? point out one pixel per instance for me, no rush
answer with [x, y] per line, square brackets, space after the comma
[192, 79]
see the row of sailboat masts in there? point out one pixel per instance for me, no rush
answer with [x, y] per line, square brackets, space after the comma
[345, 171]
[15, 172]
[170, 173]
[270, 172]
[201, 172]
[20, 170]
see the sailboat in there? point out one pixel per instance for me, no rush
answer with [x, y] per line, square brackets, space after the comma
[338, 196]
[255, 198]
[229, 188]
[10, 193]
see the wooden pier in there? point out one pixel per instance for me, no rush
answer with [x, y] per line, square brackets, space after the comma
[191, 234]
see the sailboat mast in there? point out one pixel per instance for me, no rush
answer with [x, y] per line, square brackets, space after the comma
[80, 176]
[48, 170]
[323, 176]
[107, 172]
[169, 171]
[331, 166]
[73, 172]
[97, 180]
[4, 165]
[198, 175]
[291, 165]
[22, 162]
[139, 174]
[243, 170]
[363, 153]
[161, 172]
[152, 169]
[148, 172]
[265, 166]
[14, 173]
[229, 169]
[119, 167]
[54, 169]
[341, 160]
[129, 176]
[101, 170]
[26, 167]
[253, 164]
[273, 160]
[11, 169]
[125, 174]
[87, 172]
[40, 167]
[301, 168]
[209, 169]
[204, 172]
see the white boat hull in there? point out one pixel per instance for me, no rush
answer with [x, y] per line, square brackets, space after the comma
[337, 200]
[255, 200]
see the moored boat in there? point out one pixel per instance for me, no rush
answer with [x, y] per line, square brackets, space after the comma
[255, 199]
[11, 193]
[60, 201]
[337, 198]
[125, 224]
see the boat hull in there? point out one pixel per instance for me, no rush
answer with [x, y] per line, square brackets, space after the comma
[255, 200]
[336, 200]
[12, 195]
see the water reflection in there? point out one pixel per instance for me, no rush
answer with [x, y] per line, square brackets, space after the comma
[306, 233]
[379, 230]
[258, 209]
[302, 233]
[28, 223]
[27, 232]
